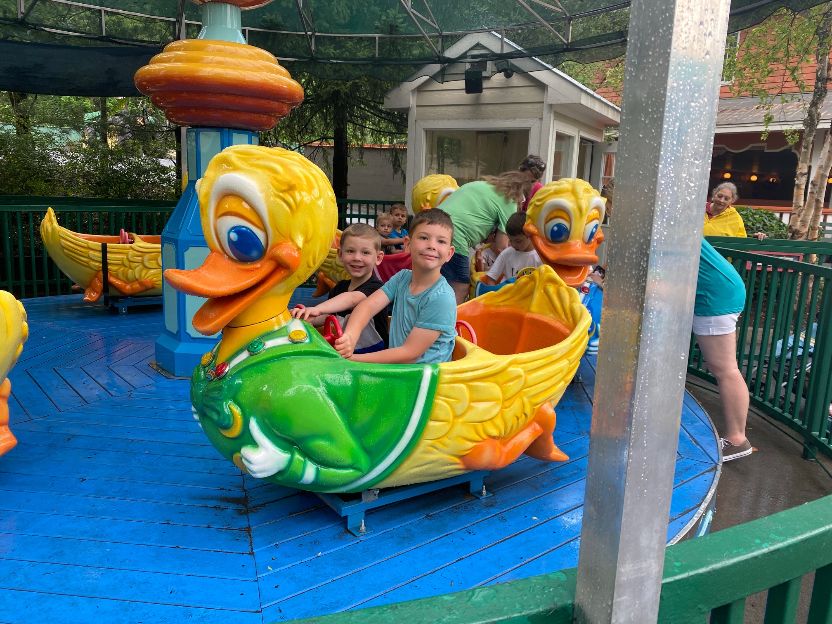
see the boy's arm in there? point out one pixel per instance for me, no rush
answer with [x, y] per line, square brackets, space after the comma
[496, 271]
[361, 315]
[394, 241]
[418, 341]
[339, 303]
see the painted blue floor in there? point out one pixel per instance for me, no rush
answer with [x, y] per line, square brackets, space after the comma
[115, 507]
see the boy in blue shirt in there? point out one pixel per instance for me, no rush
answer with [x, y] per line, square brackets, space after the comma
[399, 214]
[422, 329]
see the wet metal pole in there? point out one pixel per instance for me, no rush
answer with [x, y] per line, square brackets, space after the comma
[671, 88]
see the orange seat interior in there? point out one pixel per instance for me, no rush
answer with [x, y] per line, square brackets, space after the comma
[504, 331]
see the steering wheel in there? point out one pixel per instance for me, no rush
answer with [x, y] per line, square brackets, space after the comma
[460, 325]
[331, 330]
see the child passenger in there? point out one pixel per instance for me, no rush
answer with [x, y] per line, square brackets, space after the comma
[519, 255]
[384, 225]
[360, 252]
[399, 214]
[424, 307]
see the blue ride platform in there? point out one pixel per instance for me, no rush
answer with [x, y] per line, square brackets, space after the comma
[115, 507]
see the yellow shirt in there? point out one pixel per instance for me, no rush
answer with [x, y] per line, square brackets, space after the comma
[727, 223]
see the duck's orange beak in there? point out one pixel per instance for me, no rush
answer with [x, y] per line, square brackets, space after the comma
[570, 260]
[232, 286]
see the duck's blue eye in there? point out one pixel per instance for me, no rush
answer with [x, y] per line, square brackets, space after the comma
[557, 230]
[244, 244]
[240, 239]
[590, 230]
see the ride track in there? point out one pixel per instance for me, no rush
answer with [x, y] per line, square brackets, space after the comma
[115, 505]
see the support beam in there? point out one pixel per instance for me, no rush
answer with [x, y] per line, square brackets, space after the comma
[671, 89]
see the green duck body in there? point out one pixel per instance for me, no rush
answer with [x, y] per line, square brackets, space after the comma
[290, 410]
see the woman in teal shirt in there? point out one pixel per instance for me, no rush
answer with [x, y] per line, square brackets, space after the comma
[720, 297]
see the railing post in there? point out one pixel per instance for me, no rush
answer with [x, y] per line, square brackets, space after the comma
[671, 87]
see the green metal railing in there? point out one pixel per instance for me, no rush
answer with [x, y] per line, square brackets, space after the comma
[784, 345]
[360, 211]
[709, 576]
[27, 271]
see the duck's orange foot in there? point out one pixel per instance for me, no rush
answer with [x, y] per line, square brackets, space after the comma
[491, 454]
[130, 288]
[93, 291]
[535, 439]
[544, 447]
[323, 286]
[7, 440]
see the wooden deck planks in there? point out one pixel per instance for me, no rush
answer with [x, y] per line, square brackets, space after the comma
[114, 505]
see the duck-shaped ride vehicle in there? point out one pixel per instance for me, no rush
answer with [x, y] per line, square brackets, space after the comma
[134, 262]
[279, 402]
[13, 333]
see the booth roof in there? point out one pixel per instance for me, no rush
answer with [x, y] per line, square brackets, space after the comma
[93, 47]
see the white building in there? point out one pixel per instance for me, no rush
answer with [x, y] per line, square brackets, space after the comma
[525, 107]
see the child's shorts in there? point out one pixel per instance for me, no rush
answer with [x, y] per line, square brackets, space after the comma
[715, 325]
[457, 269]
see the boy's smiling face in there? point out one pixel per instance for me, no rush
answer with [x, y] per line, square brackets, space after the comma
[430, 246]
[360, 256]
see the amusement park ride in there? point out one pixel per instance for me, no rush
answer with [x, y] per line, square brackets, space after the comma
[270, 393]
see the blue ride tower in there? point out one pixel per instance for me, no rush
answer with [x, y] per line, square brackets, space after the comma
[225, 92]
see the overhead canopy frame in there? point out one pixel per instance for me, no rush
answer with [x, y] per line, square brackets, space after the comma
[93, 47]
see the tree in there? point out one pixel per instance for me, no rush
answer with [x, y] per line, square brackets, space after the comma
[66, 146]
[347, 113]
[788, 41]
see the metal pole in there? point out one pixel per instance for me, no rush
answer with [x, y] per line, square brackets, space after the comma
[671, 89]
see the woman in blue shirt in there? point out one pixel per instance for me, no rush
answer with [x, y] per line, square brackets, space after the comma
[720, 297]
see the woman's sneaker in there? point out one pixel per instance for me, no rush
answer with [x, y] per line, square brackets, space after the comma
[734, 451]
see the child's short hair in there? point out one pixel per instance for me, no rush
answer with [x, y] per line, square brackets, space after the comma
[515, 223]
[362, 230]
[397, 207]
[383, 217]
[434, 216]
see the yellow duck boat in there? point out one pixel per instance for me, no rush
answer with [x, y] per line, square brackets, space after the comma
[13, 333]
[134, 262]
[277, 400]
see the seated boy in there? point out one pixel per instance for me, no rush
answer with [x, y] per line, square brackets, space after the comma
[360, 252]
[399, 214]
[520, 253]
[424, 306]
[384, 226]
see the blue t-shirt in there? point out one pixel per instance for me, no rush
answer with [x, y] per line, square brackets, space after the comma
[434, 309]
[398, 234]
[719, 288]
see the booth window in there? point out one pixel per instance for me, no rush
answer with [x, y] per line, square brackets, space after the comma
[467, 155]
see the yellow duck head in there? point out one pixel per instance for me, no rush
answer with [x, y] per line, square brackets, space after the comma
[269, 216]
[564, 222]
[431, 191]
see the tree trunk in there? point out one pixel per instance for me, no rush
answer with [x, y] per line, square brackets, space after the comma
[340, 152]
[103, 121]
[810, 126]
[817, 189]
[22, 118]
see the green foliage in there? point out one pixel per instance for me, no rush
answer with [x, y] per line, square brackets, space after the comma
[52, 146]
[787, 40]
[762, 221]
[608, 74]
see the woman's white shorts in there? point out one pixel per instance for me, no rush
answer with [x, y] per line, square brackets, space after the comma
[715, 325]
